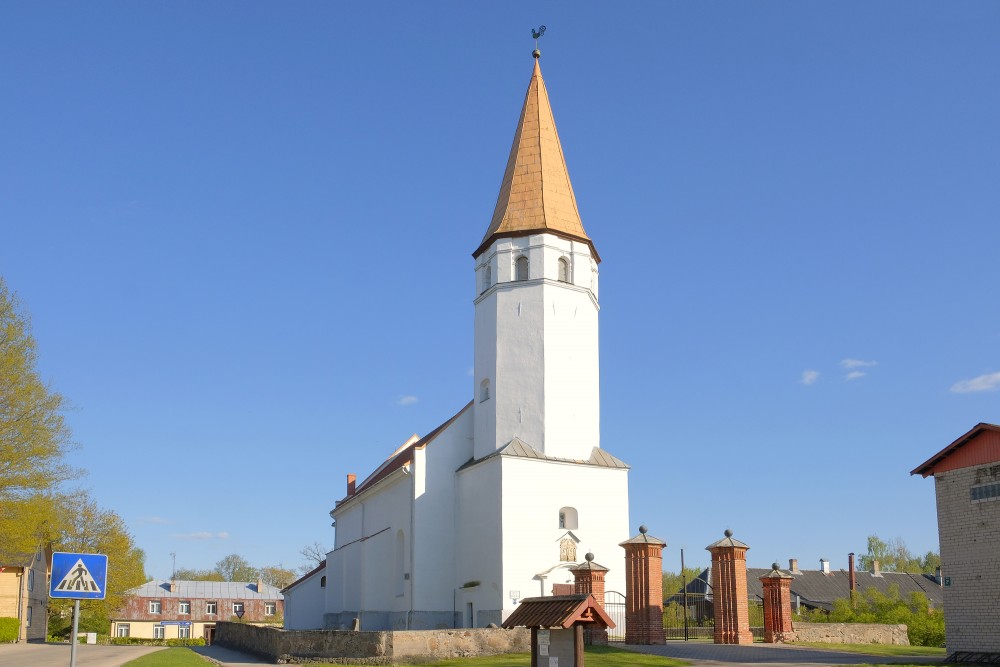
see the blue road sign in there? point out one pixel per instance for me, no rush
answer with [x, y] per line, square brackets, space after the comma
[78, 576]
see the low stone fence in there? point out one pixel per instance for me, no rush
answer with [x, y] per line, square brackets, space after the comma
[851, 633]
[343, 647]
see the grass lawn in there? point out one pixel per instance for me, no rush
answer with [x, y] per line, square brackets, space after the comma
[879, 649]
[171, 657]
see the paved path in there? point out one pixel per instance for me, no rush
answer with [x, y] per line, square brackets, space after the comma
[227, 657]
[705, 653]
[57, 655]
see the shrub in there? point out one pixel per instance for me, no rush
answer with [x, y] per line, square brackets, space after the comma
[924, 625]
[10, 628]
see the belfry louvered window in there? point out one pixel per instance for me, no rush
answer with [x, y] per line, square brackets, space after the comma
[521, 268]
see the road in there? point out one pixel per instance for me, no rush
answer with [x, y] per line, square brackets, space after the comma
[57, 655]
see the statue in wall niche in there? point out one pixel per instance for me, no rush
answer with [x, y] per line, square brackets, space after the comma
[567, 550]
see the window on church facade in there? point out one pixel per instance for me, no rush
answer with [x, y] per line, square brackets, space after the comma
[563, 270]
[484, 391]
[568, 518]
[322, 581]
[487, 278]
[521, 268]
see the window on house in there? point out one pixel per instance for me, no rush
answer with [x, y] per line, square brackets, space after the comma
[521, 268]
[237, 607]
[984, 492]
[31, 580]
[322, 581]
[184, 631]
[568, 518]
[563, 270]
[270, 608]
[121, 630]
[159, 632]
[27, 618]
[154, 606]
[211, 607]
[487, 278]
[484, 390]
[184, 607]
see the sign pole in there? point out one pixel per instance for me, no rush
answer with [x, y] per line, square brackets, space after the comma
[72, 637]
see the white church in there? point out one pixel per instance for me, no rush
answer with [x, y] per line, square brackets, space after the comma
[502, 499]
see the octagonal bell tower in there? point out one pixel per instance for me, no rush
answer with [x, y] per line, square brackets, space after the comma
[536, 374]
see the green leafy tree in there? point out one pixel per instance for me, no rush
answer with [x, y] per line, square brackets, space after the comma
[674, 582]
[87, 528]
[192, 574]
[236, 568]
[34, 438]
[277, 576]
[894, 556]
[924, 624]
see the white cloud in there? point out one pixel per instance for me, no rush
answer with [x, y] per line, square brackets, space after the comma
[809, 376]
[988, 382]
[156, 520]
[856, 363]
[854, 375]
[201, 535]
[407, 400]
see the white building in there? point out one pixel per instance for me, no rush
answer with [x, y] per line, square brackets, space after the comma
[498, 502]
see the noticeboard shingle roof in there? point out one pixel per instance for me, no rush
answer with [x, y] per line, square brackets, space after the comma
[558, 611]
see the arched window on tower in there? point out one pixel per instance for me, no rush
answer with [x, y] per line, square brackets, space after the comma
[563, 270]
[568, 518]
[484, 390]
[521, 268]
[487, 278]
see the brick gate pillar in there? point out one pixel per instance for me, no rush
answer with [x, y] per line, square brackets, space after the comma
[644, 589]
[589, 579]
[777, 606]
[729, 591]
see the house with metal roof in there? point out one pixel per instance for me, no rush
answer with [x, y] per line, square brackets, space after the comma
[181, 609]
[501, 500]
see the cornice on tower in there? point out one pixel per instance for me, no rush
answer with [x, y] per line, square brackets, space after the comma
[536, 195]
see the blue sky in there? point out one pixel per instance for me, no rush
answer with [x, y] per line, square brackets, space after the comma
[243, 234]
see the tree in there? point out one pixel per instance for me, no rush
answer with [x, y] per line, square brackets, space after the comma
[33, 436]
[674, 583]
[191, 574]
[277, 576]
[894, 556]
[236, 568]
[315, 555]
[86, 528]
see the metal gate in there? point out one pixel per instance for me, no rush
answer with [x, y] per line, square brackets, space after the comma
[692, 616]
[614, 605]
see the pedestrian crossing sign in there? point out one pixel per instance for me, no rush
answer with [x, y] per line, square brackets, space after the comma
[79, 576]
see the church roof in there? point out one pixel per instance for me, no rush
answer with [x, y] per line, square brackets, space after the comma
[520, 449]
[536, 194]
[402, 456]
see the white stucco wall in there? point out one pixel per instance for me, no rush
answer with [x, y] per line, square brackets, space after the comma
[305, 603]
[536, 343]
[362, 571]
[478, 552]
[533, 492]
[434, 545]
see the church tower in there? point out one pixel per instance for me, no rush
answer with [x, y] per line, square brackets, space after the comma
[536, 345]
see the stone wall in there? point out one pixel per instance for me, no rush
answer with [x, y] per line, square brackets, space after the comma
[368, 648]
[851, 633]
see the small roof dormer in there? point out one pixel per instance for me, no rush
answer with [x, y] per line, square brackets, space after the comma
[536, 195]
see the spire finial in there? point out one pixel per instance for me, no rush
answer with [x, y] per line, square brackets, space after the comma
[536, 34]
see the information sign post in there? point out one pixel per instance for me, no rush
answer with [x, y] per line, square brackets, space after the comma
[76, 577]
